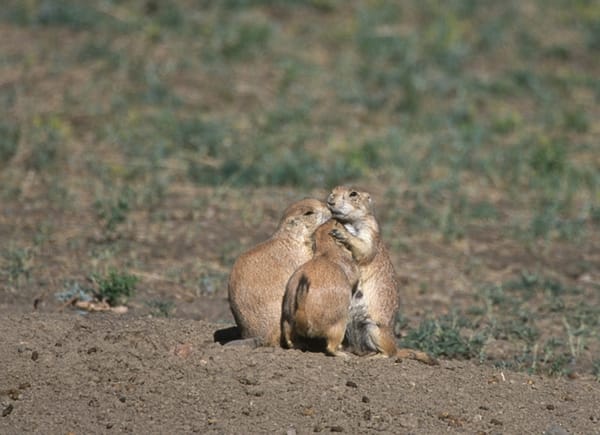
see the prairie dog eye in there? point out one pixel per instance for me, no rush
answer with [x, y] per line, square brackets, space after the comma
[353, 194]
[308, 213]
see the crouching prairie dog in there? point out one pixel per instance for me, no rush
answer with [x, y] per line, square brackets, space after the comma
[259, 276]
[374, 304]
[317, 298]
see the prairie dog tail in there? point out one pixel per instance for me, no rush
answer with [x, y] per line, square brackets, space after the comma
[301, 292]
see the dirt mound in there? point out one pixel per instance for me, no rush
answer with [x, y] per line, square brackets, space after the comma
[102, 374]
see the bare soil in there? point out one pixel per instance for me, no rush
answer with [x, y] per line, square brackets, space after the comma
[64, 373]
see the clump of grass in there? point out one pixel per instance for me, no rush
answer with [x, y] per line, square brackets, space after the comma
[17, 264]
[74, 290]
[9, 140]
[58, 13]
[244, 40]
[115, 287]
[548, 158]
[442, 337]
[113, 211]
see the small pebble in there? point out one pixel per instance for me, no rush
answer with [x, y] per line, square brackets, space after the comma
[35, 355]
[555, 430]
[352, 384]
[7, 410]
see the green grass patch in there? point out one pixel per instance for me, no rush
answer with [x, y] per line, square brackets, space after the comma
[115, 287]
[443, 337]
[9, 141]
[17, 264]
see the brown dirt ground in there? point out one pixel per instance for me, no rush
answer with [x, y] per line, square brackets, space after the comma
[64, 373]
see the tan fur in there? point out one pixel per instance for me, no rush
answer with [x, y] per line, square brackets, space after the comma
[374, 304]
[317, 297]
[259, 276]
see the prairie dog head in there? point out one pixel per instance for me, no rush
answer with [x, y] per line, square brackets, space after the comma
[348, 205]
[323, 241]
[302, 218]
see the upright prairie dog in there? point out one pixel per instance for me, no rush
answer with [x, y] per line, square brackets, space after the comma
[259, 276]
[374, 304]
[317, 297]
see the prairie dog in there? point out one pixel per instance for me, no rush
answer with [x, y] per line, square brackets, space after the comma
[259, 276]
[317, 297]
[374, 304]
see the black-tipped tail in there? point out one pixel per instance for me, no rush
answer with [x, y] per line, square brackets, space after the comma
[301, 291]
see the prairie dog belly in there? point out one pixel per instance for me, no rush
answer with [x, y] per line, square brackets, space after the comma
[359, 330]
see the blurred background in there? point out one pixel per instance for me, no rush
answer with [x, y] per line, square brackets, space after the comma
[145, 144]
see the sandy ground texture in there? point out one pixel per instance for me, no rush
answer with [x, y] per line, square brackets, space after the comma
[72, 374]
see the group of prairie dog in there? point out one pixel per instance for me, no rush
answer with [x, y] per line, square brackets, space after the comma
[322, 281]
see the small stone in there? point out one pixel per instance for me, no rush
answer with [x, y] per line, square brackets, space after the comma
[336, 429]
[122, 399]
[248, 381]
[307, 412]
[351, 384]
[6, 411]
[451, 420]
[14, 394]
[365, 399]
[496, 422]
[35, 355]
[550, 406]
[92, 349]
[555, 430]
[182, 350]
[256, 392]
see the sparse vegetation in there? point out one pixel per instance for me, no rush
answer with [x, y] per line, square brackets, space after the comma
[161, 308]
[178, 131]
[17, 264]
[442, 337]
[115, 287]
